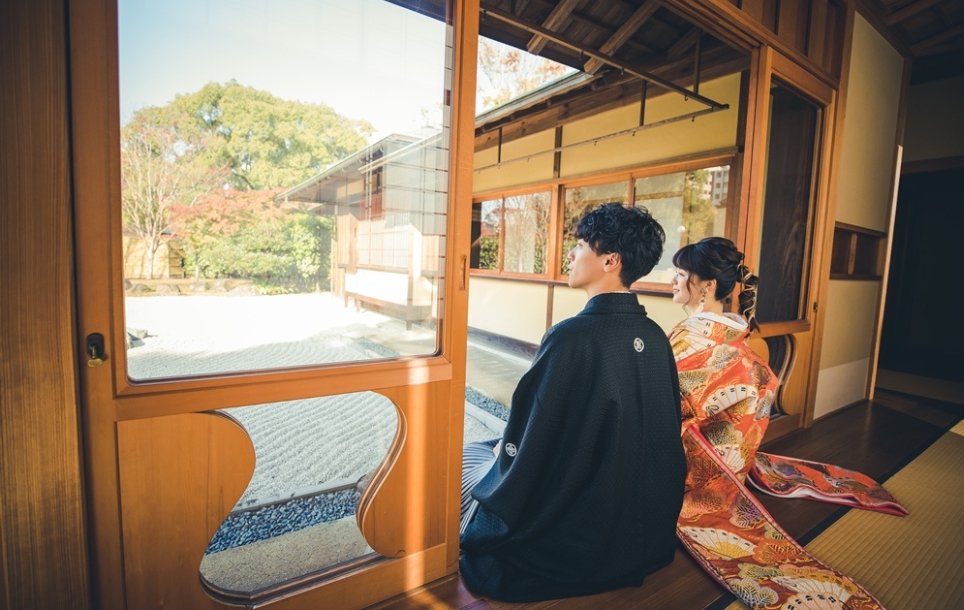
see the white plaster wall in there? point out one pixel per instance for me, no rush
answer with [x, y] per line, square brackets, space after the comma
[663, 311]
[863, 199]
[523, 170]
[841, 385]
[870, 130]
[567, 302]
[510, 309]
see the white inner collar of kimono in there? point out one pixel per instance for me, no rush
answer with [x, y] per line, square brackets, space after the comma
[730, 319]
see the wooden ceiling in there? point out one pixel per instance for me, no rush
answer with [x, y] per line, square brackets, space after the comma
[623, 49]
[925, 27]
[628, 48]
[638, 33]
[931, 32]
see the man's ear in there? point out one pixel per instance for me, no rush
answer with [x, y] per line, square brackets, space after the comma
[613, 261]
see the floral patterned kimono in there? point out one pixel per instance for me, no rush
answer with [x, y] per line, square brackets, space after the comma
[727, 391]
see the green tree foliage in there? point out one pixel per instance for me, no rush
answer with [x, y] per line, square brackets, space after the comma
[698, 210]
[207, 166]
[489, 252]
[246, 234]
[268, 142]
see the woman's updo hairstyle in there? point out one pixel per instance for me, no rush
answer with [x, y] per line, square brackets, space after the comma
[716, 258]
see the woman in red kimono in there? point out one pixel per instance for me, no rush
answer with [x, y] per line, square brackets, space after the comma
[727, 391]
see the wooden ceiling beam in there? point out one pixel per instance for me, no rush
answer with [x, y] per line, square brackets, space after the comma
[608, 31]
[518, 7]
[629, 7]
[909, 11]
[623, 66]
[556, 19]
[683, 44]
[927, 43]
[624, 33]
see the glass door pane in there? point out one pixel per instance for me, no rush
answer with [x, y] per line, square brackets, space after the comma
[284, 170]
[787, 206]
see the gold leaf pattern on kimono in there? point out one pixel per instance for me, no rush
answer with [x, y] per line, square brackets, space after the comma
[722, 356]
[720, 542]
[758, 572]
[731, 334]
[700, 502]
[758, 375]
[752, 439]
[701, 473]
[764, 404]
[742, 407]
[722, 433]
[772, 533]
[691, 381]
[776, 551]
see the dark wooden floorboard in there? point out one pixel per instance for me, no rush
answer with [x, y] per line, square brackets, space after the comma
[876, 438]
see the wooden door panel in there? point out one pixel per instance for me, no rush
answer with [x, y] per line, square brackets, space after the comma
[180, 476]
[399, 513]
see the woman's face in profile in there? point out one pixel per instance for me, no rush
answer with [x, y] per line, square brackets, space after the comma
[681, 289]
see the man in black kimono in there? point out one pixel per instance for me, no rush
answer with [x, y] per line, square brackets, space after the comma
[587, 482]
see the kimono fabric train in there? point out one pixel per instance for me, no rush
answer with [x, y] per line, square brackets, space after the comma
[727, 391]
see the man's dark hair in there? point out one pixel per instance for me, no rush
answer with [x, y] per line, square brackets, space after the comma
[632, 233]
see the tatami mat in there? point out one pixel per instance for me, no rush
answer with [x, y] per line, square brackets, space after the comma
[915, 562]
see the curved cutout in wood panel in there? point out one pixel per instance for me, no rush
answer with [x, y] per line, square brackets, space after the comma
[295, 523]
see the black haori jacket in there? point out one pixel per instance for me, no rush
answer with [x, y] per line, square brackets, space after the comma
[588, 484]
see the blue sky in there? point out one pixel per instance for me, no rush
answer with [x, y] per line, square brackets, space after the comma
[390, 72]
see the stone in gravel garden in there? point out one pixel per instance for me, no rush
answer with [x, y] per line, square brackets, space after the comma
[244, 291]
[167, 290]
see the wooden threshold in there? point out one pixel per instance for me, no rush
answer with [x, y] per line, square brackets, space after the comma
[875, 437]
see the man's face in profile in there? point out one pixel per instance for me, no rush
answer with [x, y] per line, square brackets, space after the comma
[585, 266]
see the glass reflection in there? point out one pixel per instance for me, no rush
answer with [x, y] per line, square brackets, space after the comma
[689, 206]
[580, 200]
[789, 184]
[294, 157]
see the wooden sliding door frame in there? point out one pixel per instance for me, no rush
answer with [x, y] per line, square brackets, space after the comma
[767, 64]
[118, 414]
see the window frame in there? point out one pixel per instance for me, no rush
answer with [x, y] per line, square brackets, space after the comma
[557, 188]
[502, 195]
